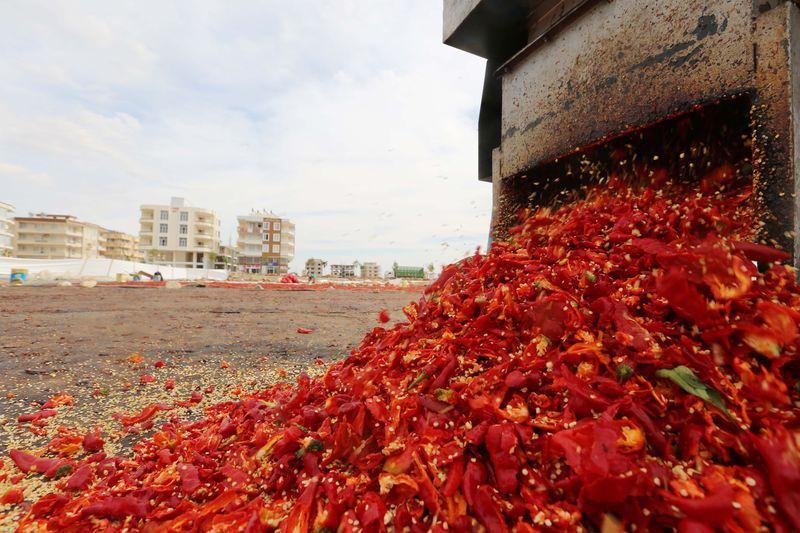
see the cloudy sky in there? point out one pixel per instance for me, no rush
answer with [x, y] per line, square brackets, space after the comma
[347, 116]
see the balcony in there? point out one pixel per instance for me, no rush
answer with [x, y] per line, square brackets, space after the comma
[204, 236]
[204, 221]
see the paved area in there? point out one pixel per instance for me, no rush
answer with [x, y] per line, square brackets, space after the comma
[96, 343]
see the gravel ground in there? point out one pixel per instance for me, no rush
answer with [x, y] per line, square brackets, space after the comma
[95, 344]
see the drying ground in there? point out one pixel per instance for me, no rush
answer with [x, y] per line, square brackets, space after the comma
[96, 344]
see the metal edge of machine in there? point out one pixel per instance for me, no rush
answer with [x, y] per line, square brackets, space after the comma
[598, 68]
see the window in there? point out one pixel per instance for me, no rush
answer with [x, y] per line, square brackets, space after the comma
[162, 241]
[184, 216]
[162, 228]
[276, 237]
[184, 229]
[276, 226]
[182, 242]
[164, 215]
[265, 248]
[276, 248]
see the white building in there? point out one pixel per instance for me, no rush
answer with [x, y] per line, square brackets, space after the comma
[7, 230]
[178, 234]
[344, 270]
[265, 243]
[315, 267]
[119, 245]
[45, 236]
[370, 270]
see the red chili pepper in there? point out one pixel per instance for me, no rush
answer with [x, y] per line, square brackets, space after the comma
[92, 441]
[12, 496]
[501, 441]
[488, 512]
[117, 507]
[38, 415]
[31, 463]
[305, 331]
[79, 480]
[300, 516]
[616, 362]
[145, 414]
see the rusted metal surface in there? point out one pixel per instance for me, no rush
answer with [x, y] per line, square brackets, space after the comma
[776, 41]
[619, 65]
[614, 67]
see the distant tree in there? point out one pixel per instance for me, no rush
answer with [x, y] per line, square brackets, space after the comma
[431, 268]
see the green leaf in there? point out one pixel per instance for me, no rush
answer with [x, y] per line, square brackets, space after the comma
[685, 378]
[590, 276]
[315, 446]
[63, 470]
[417, 380]
[444, 395]
[624, 373]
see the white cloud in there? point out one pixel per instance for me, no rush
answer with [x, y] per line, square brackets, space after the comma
[350, 117]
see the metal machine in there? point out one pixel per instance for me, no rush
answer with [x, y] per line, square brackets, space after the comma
[564, 75]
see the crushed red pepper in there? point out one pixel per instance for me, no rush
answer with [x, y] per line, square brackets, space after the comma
[618, 362]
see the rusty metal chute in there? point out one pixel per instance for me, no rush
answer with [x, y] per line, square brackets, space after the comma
[566, 74]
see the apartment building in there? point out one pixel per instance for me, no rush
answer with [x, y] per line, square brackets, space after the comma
[265, 243]
[315, 267]
[178, 234]
[226, 258]
[7, 231]
[370, 270]
[344, 270]
[119, 245]
[46, 236]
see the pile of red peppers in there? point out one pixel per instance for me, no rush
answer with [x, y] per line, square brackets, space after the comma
[626, 362]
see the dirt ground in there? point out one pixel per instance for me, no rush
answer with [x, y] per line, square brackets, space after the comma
[89, 342]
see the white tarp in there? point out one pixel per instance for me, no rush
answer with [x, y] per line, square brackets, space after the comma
[99, 269]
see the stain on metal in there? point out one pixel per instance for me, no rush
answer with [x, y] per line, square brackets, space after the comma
[619, 66]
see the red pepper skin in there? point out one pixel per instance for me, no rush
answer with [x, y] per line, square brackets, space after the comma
[474, 477]
[117, 507]
[716, 507]
[454, 478]
[12, 496]
[190, 480]
[488, 512]
[693, 526]
[758, 252]
[300, 517]
[48, 504]
[443, 375]
[38, 415]
[371, 510]
[31, 463]
[92, 441]
[501, 440]
[779, 450]
[79, 480]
